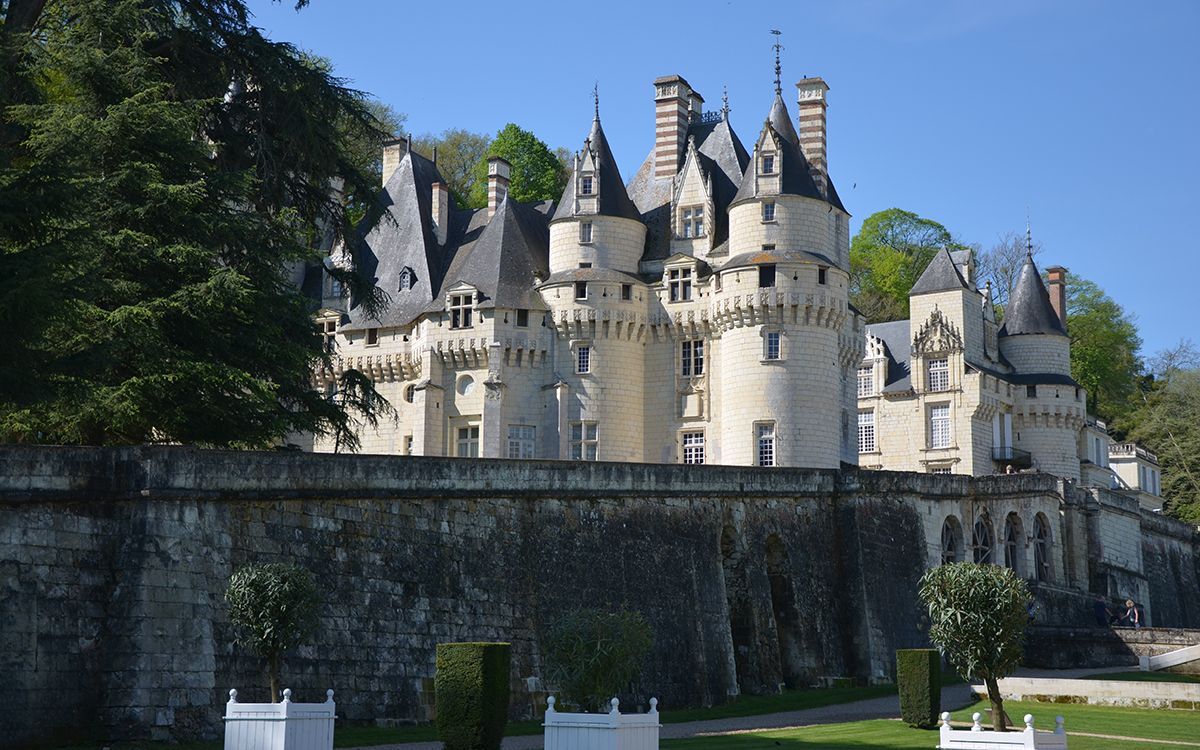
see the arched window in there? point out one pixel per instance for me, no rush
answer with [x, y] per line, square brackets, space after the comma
[951, 540]
[982, 540]
[1012, 543]
[1041, 548]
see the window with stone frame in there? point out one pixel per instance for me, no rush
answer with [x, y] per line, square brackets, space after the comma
[939, 426]
[585, 440]
[467, 441]
[372, 337]
[679, 284]
[693, 447]
[691, 358]
[583, 359]
[522, 319]
[866, 381]
[408, 445]
[766, 275]
[337, 288]
[768, 211]
[581, 290]
[691, 222]
[866, 431]
[939, 374]
[461, 307]
[585, 185]
[764, 439]
[773, 345]
[768, 164]
[1012, 543]
[585, 232]
[521, 440]
[329, 328]
[407, 277]
[982, 540]
[951, 540]
[626, 292]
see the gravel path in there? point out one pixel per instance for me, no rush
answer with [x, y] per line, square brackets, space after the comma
[888, 707]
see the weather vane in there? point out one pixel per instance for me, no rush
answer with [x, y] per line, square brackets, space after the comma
[778, 69]
[596, 98]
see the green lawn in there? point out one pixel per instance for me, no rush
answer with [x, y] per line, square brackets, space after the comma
[1146, 677]
[1151, 724]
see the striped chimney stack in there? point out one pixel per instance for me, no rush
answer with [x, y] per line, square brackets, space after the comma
[498, 173]
[812, 98]
[675, 104]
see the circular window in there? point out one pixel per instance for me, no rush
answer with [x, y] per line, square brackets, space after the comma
[410, 392]
[466, 384]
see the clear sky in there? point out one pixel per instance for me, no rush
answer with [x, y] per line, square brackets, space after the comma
[1085, 116]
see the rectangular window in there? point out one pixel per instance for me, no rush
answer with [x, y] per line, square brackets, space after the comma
[585, 440]
[768, 211]
[939, 426]
[521, 440]
[680, 284]
[822, 276]
[586, 187]
[372, 336]
[768, 164]
[764, 436]
[626, 292]
[580, 290]
[330, 329]
[866, 381]
[766, 276]
[522, 318]
[686, 231]
[691, 358]
[583, 359]
[467, 444]
[939, 374]
[337, 289]
[460, 311]
[691, 222]
[866, 431]
[1031, 391]
[698, 221]
[408, 445]
[585, 232]
[771, 345]
[693, 447]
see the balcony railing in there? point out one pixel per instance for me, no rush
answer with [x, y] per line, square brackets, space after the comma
[1131, 450]
[1014, 457]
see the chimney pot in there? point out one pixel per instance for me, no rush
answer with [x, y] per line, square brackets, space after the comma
[1057, 276]
[498, 173]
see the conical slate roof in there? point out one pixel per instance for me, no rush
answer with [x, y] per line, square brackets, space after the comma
[796, 171]
[782, 121]
[941, 275]
[1029, 309]
[614, 201]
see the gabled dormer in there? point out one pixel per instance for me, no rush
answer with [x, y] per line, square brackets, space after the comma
[693, 206]
[937, 355]
[462, 302]
[681, 274]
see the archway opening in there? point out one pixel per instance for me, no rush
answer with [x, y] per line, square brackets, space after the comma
[1014, 543]
[786, 616]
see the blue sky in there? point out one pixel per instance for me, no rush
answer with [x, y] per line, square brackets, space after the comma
[1083, 115]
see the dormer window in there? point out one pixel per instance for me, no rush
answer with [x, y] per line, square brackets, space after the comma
[585, 186]
[407, 279]
[585, 232]
[679, 284]
[768, 211]
[461, 306]
[580, 290]
[692, 222]
[768, 164]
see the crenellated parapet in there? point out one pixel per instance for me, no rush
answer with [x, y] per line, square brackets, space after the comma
[776, 306]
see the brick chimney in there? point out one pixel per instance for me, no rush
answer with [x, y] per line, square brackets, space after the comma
[440, 207]
[1057, 275]
[812, 100]
[394, 150]
[674, 101]
[498, 173]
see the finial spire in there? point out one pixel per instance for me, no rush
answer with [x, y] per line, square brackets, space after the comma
[596, 99]
[1028, 239]
[778, 68]
[725, 102]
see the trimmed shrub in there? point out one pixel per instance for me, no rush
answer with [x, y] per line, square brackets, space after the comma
[471, 692]
[919, 680]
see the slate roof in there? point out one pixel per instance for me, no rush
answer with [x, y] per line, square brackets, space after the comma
[613, 199]
[940, 275]
[1029, 310]
[760, 257]
[895, 336]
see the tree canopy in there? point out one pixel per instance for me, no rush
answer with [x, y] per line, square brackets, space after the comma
[151, 206]
[273, 608]
[1167, 421]
[538, 174]
[887, 256]
[459, 152]
[1104, 348]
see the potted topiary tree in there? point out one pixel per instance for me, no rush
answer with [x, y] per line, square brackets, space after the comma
[274, 608]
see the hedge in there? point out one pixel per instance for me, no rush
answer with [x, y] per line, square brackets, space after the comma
[471, 694]
[919, 679]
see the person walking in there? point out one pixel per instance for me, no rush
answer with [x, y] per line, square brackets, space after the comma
[1132, 617]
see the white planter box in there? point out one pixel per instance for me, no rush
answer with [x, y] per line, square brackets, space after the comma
[611, 731]
[279, 726]
[977, 738]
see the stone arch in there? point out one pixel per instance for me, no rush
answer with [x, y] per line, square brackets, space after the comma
[1014, 543]
[983, 539]
[783, 609]
[737, 597]
[1042, 540]
[952, 540]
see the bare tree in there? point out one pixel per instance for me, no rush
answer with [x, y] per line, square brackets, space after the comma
[1002, 264]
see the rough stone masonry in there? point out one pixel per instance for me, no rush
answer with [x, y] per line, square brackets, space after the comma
[114, 562]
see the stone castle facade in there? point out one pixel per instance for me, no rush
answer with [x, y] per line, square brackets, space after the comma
[697, 314]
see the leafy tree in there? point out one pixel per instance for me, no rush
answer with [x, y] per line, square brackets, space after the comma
[977, 616]
[1167, 421]
[274, 609]
[1104, 348]
[459, 152]
[887, 256]
[150, 207]
[356, 395]
[592, 654]
[1001, 265]
[537, 174]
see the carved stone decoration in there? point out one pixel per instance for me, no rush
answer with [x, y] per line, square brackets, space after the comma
[937, 335]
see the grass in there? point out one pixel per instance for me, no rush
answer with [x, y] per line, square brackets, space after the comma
[1145, 677]
[1151, 724]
